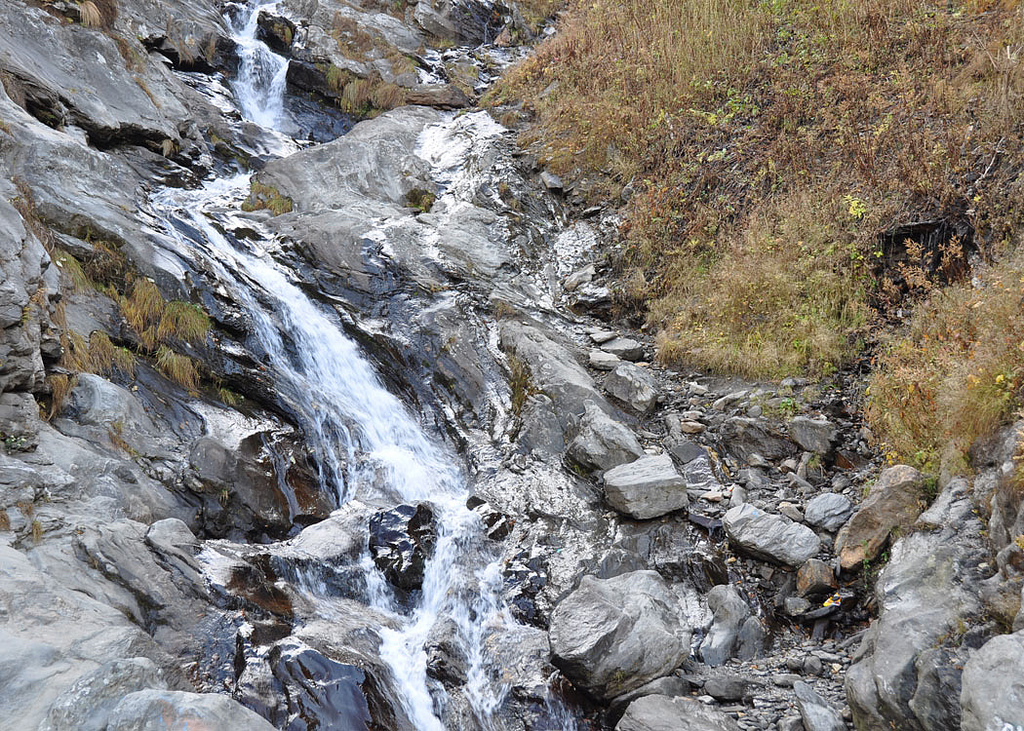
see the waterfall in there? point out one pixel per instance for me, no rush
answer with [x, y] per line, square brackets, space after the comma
[260, 84]
[365, 441]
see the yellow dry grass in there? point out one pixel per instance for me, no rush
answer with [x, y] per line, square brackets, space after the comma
[768, 145]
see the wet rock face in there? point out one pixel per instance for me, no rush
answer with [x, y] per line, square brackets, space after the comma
[612, 636]
[525, 576]
[319, 692]
[401, 540]
[264, 484]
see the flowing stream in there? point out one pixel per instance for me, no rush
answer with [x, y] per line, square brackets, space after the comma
[365, 441]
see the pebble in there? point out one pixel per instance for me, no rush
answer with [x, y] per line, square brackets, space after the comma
[691, 427]
[791, 511]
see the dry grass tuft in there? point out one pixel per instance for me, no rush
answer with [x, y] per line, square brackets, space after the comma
[179, 368]
[90, 14]
[185, 321]
[520, 382]
[60, 386]
[143, 310]
[957, 372]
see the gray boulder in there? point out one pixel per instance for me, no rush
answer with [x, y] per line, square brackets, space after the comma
[770, 537]
[661, 713]
[924, 594]
[625, 348]
[87, 704]
[614, 635]
[632, 385]
[936, 703]
[150, 710]
[812, 435]
[744, 437]
[730, 612]
[603, 361]
[101, 96]
[894, 501]
[647, 488]
[992, 695]
[828, 511]
[603, 443]
[815, 711]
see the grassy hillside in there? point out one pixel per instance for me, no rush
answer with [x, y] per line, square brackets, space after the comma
[799, 170]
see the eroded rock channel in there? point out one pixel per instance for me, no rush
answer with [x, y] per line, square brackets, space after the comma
[314, 417]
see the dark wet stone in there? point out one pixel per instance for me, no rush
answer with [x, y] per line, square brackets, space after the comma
[401, 540]
[525, 576]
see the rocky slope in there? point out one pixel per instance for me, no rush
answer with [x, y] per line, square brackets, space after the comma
[647, 549]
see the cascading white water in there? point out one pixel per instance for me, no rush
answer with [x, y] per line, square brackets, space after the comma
[365, 440]
[262, 74]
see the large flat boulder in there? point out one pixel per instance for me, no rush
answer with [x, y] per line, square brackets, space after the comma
[647, 488]
[664, 713]
[770, 537]
[611, 636]
[147, 710]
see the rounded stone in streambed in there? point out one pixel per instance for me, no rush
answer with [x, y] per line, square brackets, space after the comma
[770, 537]
[614, 635]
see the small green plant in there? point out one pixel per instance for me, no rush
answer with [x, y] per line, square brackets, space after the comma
[36, 529]
[5, 521]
